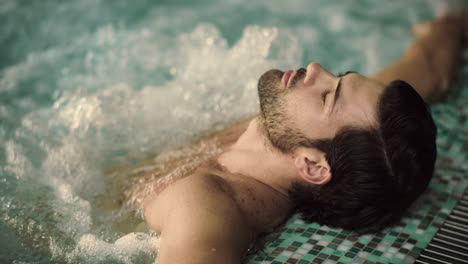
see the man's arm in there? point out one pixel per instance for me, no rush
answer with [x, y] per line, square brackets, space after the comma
[430, 63]
[199, 223]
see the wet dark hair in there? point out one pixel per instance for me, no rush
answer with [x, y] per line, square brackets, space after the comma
[376, 172]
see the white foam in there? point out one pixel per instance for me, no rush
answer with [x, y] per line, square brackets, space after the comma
[131, 248]
[207, 89]
[73, 162]
[75, 212]
[16, 161]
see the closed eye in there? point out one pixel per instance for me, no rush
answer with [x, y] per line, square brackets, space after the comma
[325, 93]
[343, 74]
[324, 96]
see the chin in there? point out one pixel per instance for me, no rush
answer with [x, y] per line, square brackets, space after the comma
[269, 80]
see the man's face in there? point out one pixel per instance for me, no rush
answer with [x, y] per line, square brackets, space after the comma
[304, 105]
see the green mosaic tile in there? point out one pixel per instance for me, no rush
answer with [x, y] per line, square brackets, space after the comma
[373, 258]
[315, 225]
[333, 246]
[384, 260]
[363, 240]
[346, 260]
[296, 244]
[400, 240]
[314, 252]
[345, 232]
[368, 249]
[417, 250]
[281, 258]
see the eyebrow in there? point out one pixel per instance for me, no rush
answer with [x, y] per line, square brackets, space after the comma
[338, 89]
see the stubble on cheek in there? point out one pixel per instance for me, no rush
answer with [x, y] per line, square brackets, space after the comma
[275, 124]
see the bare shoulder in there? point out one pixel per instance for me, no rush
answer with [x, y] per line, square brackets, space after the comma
[198, 214]
[197, 191]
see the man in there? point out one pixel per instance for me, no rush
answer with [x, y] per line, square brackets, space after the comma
[347, 151]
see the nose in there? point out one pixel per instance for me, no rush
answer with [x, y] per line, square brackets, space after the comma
[316, 73]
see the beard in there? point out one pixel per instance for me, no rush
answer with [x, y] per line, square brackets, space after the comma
[276, 125]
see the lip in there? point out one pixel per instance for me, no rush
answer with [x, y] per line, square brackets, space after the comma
[291, 77]
[287, 77]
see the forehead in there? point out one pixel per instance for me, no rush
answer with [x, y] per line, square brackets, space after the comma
[360, 98]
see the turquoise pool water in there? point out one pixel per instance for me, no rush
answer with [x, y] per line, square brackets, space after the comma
[89, 85]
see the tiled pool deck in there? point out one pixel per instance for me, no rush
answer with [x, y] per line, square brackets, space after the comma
[300, 242]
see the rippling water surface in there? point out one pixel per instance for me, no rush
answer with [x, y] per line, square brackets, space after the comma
[86, 86]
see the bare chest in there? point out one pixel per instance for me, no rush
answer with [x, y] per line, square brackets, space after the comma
[150, 180]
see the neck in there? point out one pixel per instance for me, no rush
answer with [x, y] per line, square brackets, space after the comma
[253, 156]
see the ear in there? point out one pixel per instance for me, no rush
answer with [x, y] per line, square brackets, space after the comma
[312, 166]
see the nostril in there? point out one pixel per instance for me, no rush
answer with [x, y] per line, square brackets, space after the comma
[301, 71]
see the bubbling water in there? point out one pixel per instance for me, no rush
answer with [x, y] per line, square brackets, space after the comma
[131, 248]
[89, 129]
